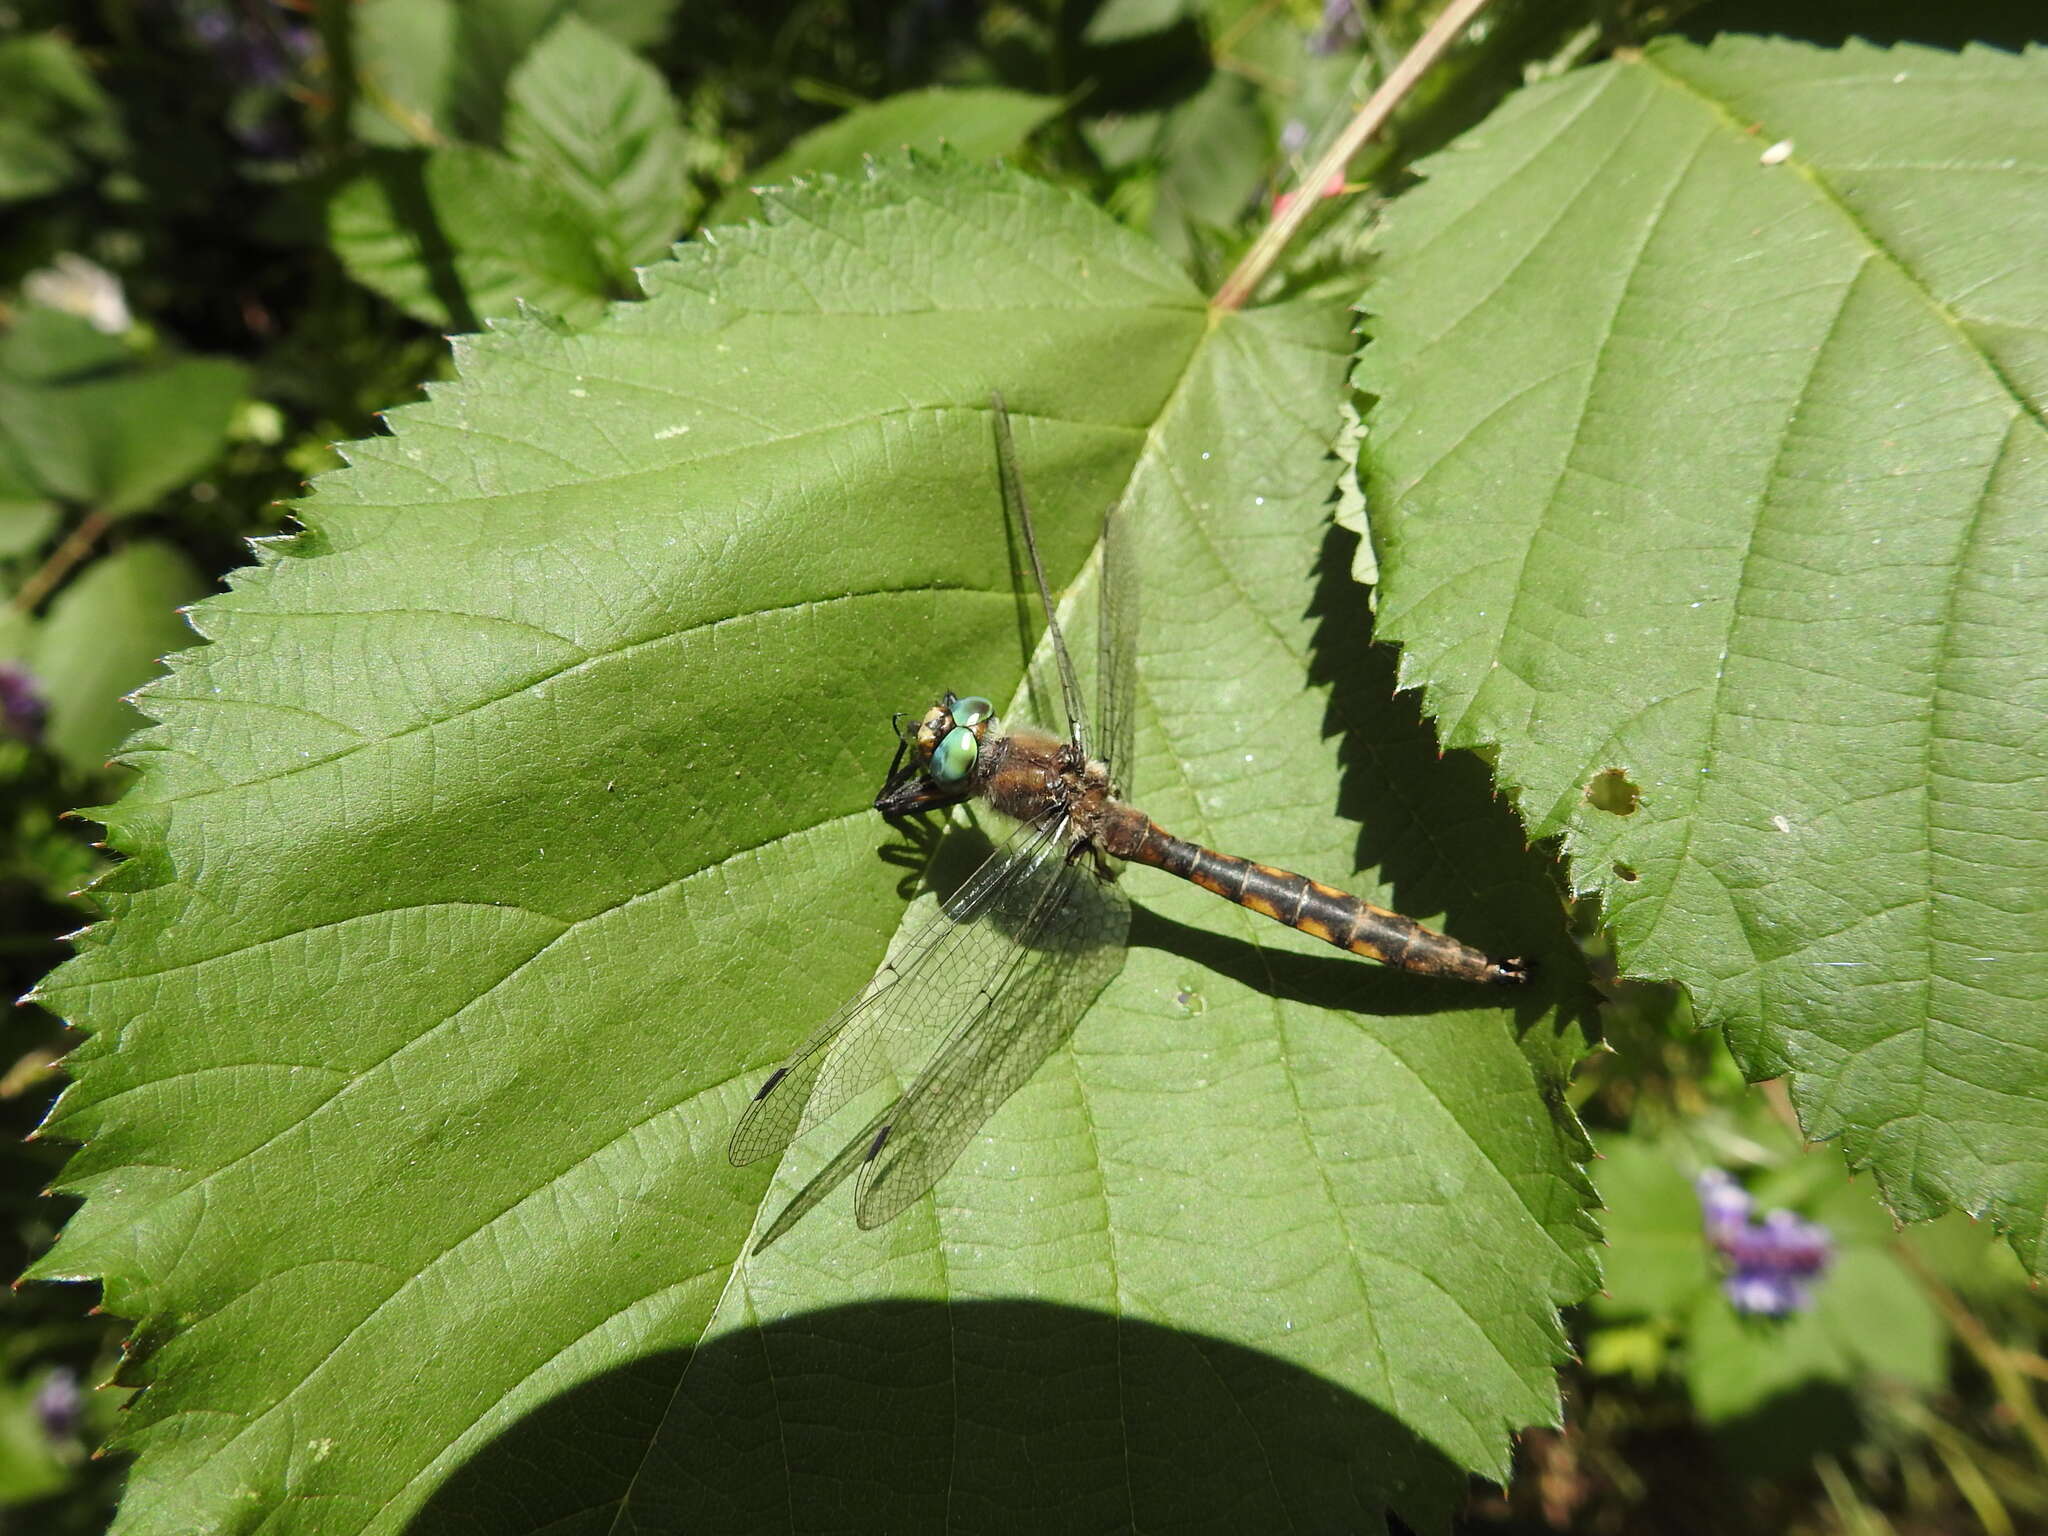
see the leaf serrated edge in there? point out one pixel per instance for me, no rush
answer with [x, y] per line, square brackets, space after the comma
[1914, 1196]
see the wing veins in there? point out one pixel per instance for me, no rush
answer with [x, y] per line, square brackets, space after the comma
[994, 1049]
[1014, 498]
[772, 1119]
[1042, 856]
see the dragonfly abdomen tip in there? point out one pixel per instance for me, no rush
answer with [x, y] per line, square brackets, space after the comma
[1513, 972]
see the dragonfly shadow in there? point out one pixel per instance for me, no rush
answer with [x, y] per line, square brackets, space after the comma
[935, 853]
[941, 856]
[1431, 824]
[919, 840]
[1333, 981]
[948, 1415]
[946, 857]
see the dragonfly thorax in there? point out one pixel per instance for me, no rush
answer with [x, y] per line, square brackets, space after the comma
[958, 752]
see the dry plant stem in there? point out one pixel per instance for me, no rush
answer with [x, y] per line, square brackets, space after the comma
[77, 545]
[1372, 117]
[2032, 1365]
[2007, 1380]
[1779, 1098]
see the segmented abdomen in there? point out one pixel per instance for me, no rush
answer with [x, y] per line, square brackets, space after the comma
[1322, 911]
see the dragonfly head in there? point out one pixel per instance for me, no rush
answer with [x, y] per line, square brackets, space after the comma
[936, 757]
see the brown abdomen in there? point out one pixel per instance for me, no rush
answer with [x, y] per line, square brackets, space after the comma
[1322, 911]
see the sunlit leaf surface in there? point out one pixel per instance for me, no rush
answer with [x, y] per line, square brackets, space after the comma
[1707, 483]
[517, 820]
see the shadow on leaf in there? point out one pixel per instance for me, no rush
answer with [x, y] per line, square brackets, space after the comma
[1449, 847]
[402, 179]
[1782, 1435]
[979, 1416]
[1430, 824]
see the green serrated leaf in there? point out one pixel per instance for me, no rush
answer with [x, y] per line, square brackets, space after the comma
[429, 71]
[461, 235]
[977, 123]
[1710, 455]
[599, 122]
[517, 819]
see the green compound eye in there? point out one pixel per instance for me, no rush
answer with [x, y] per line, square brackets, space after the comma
[972, 710]
[954, 757]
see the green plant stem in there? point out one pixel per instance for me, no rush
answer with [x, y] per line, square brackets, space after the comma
[335, 114]
[1372, 117]
[1857, 1517]
[78, 543]
[1970, 1481]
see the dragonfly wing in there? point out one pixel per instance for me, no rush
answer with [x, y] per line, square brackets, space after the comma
[1074, 933]
[825, 1180]
[851, 1049]
[1116, 648]
[1015, 500]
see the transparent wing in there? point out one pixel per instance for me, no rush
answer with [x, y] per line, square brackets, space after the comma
[914, 994]
[943, 994]
[1116, 649]
[1014, 499]
[1073, 945]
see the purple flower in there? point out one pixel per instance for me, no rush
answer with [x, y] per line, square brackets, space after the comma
[1723, 1202]
[259, 52]
[22, 708]
[58, 1403]
[1340, 29]
[1772, 1263]
[1764, 1295]
[251, 47]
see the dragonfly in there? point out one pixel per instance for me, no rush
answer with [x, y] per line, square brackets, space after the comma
[986, 987]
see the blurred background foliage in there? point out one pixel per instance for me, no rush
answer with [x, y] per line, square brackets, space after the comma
[232, 231]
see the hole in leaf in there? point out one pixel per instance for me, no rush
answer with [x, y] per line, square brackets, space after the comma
[1611, 790]
[1627, 872]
